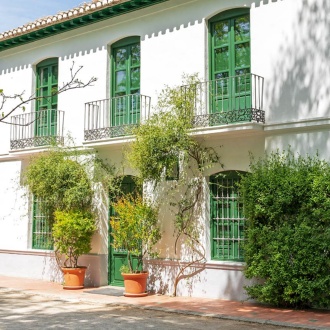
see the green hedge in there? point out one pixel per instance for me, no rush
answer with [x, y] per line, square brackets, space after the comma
[287, 206]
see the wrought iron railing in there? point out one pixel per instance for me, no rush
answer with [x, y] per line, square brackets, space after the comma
[226, 100]
[38, 128]
[115, 117]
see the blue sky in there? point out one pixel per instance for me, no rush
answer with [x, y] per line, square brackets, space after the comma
[15, 13]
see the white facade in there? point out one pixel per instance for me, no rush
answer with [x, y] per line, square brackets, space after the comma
[290, 42]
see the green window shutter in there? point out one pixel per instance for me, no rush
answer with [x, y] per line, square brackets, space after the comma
[230, 62]
[227, 219]
[41, 230]
[46, 106]
[125, 103]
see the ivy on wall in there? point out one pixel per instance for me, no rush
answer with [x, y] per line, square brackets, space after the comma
[165, 142]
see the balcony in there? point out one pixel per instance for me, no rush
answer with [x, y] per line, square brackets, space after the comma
[35, 129]
[115, 117]
[226, 101]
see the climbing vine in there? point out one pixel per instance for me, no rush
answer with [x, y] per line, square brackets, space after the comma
[163, 143]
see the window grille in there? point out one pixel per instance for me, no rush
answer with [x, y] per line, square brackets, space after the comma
[227, 219]
[41, 233]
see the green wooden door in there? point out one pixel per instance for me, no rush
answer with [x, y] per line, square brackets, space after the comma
[118, 257]
[227, 219]
[126, 82]
[46, 106]
[230, 61]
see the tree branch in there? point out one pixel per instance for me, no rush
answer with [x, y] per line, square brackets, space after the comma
[73, 83]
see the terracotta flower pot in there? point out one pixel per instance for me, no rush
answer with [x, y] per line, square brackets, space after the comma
[74, 277]
[135, 284]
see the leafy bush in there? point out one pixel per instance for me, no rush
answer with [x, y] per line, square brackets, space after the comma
[287, 247]
[135, 228]
[60, 181]
[63, 179]
[72, 233]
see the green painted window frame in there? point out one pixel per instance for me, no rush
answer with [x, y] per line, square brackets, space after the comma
[46, 108]
[229, 94]
[41, 229]
[125, 109]
[227, 219]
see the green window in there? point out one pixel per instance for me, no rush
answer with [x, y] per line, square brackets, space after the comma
[125, 103]
[227, 219]
[230, 61]
[46, 105]
[41, 230]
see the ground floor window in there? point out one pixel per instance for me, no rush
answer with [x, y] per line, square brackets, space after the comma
[226, 217]
[41, 229]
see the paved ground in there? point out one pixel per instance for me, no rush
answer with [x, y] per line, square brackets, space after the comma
[25, 311]
[212, 308]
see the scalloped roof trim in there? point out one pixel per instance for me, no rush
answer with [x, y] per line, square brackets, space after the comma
[62, 16]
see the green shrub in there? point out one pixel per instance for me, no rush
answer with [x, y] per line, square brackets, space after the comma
[287, 247]
[60, 181]
[135, 228]
[72, 233]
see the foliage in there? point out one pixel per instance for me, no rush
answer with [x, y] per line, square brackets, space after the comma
[60, 182]
[165, 138]
[287, 204]
[65, 180]
[135, 228]
[58, 179]
[72, 233]
[163, 142]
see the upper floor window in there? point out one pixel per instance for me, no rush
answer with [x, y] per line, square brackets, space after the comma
[230, 60]
[46, 105]
[125, 82]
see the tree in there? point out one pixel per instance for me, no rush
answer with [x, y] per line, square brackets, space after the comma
[73, 83]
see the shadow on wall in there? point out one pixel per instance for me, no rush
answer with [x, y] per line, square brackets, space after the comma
[75, 50]
[300, 87]
[50, 270]
[163, 275]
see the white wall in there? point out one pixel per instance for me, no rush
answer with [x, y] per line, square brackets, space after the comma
[14, 210]
[290, 48]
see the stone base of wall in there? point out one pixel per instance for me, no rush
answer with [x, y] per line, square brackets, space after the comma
[210, 280]
[42, 265]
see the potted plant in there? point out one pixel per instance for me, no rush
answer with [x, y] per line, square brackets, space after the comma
[59, 179]
[72, 234]
[135, 228]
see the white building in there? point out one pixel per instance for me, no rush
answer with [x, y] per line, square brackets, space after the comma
[265, 64]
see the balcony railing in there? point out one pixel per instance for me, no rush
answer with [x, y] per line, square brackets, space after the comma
[227, 100]
[39, 128]
[115, 117]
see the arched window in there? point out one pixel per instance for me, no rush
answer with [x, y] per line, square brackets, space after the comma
[46, 105]
[226, 217]
[125, 82]
[229, 60]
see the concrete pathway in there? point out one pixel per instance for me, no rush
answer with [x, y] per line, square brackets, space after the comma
[244, 311]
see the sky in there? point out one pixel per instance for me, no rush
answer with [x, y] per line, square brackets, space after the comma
[15, 13]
